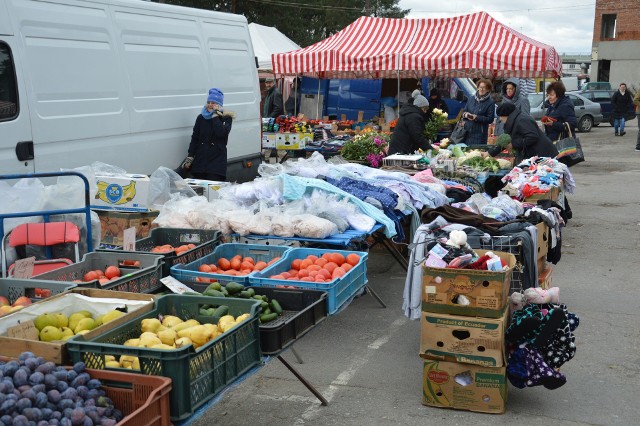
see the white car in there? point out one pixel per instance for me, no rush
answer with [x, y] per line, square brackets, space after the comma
[588, 112]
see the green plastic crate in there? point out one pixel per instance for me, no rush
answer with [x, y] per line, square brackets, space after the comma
[197, 375]
[204, 240]
[142, 279]
[13, 288]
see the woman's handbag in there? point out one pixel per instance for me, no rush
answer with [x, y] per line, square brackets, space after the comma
[569, 148]
[459, 133]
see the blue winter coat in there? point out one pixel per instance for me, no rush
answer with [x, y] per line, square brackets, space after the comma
[563, 111]
[478, 129]
[209, 144]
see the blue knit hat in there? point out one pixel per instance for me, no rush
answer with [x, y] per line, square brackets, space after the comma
[215, 95]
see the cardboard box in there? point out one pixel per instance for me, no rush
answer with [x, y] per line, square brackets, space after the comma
[268, 140]
[289, 141]
[305, 139]
[213, 189]
[467, 340]
[128, 192]
[113, 224]
[57, 351]
[543, 239]
[486, 291]
[552, 195]
[464, 387]
[545, 277]
[542, 264]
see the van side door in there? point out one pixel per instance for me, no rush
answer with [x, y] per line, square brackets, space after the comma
[16, 142]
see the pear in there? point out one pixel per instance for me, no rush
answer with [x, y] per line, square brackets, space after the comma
[183, 341]
[63, 320]
[168, 336]
[112, 364]
[85, 324]
[242, 317]
[126, 361]
[185, 325]
[227, 326]
[50, 333]
[66, 331]
[111, 315]
[45, 320]
[170, 321]
[132, 342]
[150, 324]
[149, 339]
[198, 334]
[163, 346]
[108, 358]
[76, 317]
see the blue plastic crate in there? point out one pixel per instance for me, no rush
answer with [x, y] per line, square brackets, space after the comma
[189, 272]
[338, 291]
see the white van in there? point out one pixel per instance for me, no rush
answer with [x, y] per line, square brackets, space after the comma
[122, 82]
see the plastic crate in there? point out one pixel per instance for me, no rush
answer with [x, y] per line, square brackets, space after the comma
[338, 291]
[263, 253]
[142, 279]
[144, 400]
[13, 288]
[204, 240]
[197, 376]
[302, 310]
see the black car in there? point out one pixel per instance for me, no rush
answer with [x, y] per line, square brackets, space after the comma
[603, 97]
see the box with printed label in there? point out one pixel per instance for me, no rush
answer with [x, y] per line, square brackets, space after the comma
[468, 292]
[113, 224]
[126, 192]
[543, 239]
[288, 141]
[268, 140]
[305, 139]
[468, 340]
[464, 387]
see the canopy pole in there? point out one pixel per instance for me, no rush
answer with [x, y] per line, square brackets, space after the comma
[398, 94]
[318, 101]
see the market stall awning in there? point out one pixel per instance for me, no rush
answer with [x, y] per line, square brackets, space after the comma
[474, 45]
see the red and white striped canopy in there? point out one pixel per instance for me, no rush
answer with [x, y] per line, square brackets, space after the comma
[474, 45]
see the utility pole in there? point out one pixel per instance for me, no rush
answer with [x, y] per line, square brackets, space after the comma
[234, 6]
[367, 8]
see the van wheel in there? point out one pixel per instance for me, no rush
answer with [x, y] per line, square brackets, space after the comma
[585, 124]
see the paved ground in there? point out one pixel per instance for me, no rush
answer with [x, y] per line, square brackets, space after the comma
[365, 360]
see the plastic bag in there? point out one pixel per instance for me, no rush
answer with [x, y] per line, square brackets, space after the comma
[164, 183]
[104, 169]
[310, 226]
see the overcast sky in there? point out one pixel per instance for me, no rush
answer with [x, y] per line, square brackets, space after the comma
[566, 25]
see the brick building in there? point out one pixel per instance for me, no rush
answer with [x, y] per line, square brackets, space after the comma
[615, 52]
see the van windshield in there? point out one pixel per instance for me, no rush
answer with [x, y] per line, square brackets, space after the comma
[467, 85]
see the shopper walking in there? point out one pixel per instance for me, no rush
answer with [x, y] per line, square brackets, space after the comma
[636, 102]
[621, 102]
[511, 95]
[560, 110]
[478, 114]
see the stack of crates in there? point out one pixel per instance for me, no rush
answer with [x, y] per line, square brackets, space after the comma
[465, 314]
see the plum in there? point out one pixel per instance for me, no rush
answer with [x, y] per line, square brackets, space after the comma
[46, 413]
[66, 413]
[117, 414]
[8, 385]
[10, 368]
[25, 355]
[83, 392]
[66, 403]
[23, 404]
[36, 379]
[6, 419]
[20, 420]
[31, 363]
[87, 422]
[39, 388]
[108, 422]
[71, 375]
[54, 422]
[46, 368]
[54, 396]
[32, 414]
[70, 393]
[43, 423]
[81, 380]
[62, 386]
[20, 378]
[8, 406]
[79, 367]
[60, 374]
[29, 394]
[50, 381]
[56, 415]
[65, 422]
[41, 400]
[77, 417]
[94, 384]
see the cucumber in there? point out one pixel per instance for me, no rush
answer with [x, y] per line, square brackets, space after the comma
[213, 293]
[257, 298]
[214, 286]
[265, 298]
[251, 291]
[264, 306]
[234, 288]
[224, 291]
[221, 311]
[244, 294]
[268, 317]
[275, 307]
[267, 311]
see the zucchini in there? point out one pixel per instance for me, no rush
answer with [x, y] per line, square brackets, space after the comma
[268, 317]
[275, 307]
[221, 311]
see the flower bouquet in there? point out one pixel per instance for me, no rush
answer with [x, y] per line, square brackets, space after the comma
[369, 147]
[436, 122]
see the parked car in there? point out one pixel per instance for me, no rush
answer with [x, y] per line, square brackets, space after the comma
[603, 97]
[587, 112]
[595, 85]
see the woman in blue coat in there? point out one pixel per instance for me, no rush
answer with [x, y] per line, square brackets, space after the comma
[560, 110]
[207, 157]
[478, 114]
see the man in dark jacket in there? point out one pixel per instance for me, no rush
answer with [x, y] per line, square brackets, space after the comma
[621, 103]
[272, 107]
[526, 137]
[408, 135]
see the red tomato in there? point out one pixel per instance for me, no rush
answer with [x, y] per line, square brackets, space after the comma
[112, 272]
